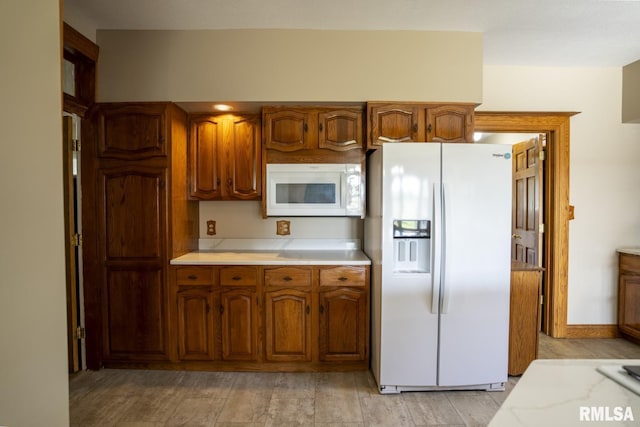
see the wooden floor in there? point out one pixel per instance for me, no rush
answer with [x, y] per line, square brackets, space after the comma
[135, 398]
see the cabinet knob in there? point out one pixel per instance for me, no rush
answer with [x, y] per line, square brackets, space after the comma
[221, 309]
[429, 128]
[308, 310]
[321, 308]
[192, 277]
[415, 127]
[343, 279]
[287, 279]
[320, 127]
[516, 236]
[236, 278]
[305, 127]
[229, 182]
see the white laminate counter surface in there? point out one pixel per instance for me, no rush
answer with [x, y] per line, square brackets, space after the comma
[630, 251]
[277, 257]
[554, 392]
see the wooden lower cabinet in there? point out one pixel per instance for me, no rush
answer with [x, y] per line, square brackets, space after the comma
[196, 334]
[293, 318]
[629, 296]
[288, 325]
[524, 316]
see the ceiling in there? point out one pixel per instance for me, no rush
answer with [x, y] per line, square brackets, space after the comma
[516, 32]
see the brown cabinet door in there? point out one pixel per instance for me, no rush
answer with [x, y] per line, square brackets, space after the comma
[340, 130]
[132, 210]
[394, 123]
[286, 130]
[238, 308]
[204, 158]
[244, 167]
[134, 311]
[629, 305]
[288, 325]
[450, 123]
[131, 244]
[343, 325]
[132, 131]
[196, 325]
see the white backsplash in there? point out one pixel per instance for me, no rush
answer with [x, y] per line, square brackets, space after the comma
[243, 220]
[278, 244]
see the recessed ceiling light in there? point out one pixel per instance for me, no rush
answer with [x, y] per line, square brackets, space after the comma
[223, 107]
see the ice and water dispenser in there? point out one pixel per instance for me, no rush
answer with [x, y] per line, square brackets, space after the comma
[411, 246]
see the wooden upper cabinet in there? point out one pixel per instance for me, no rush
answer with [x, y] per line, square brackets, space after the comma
[289, 129]
[394, 123]
[450, 123]
[225, 157]
[340, 130]
[286, 129]
[419, 122]
[132, 131]
[204, 158]
[244, 167]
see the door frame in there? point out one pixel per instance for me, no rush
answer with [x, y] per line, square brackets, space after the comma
[557, 210]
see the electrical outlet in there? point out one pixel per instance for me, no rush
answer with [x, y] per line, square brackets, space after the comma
[283, 228]
[211, 228]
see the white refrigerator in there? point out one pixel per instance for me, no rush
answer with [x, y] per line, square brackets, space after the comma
[438, 230]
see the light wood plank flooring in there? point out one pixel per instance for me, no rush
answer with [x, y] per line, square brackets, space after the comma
[138, 398]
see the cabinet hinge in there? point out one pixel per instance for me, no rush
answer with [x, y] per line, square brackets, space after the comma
[80, 333]
[76, 145]
[76, 239]
[542, 155]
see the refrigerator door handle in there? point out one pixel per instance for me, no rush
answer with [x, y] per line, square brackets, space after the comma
[436, 257]
[444, 302]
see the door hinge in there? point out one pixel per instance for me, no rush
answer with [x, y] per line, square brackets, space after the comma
[76, 239]
[76, 145]
[541, 229]
[80, 333]
[541, 299]
[542, 155]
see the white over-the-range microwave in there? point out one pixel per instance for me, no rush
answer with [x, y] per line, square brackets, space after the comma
[314, 189]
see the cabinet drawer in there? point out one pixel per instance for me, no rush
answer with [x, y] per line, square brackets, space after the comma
[287, 276]
[238, 276]
[629, 264]
[343, 276]
[194, 275]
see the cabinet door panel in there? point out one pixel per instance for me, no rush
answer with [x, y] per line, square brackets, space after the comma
[394, 123]
[343, 325]
[196, 324]
[288, 325]
[239, 325]
[286, 130]
[134, 209]
[340, 130]
[204, 172]
[135, 314]
[244, 173]
[132, 132]
[450, 123]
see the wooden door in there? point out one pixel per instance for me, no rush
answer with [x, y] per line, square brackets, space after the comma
[343, 325]
[450, 123]
[286, 129]
[196, 324]
[204, 161]
[244, 164]
[526, 238]
[394, 123]
[239, 322]
[340, 130]
[288, 325]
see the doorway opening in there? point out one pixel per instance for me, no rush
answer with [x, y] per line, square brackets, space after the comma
[556, 127]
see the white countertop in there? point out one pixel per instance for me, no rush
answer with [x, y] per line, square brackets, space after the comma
[554, 392]
[280, 257]
[275, 252]
[630, 251]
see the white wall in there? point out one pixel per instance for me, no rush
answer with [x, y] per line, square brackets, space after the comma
[289, 65]
[33, 351]
[243, 220]
[604, 172]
